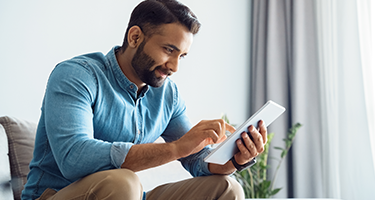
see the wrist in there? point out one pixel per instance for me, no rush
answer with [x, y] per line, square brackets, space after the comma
[226, 169]
[244, 166]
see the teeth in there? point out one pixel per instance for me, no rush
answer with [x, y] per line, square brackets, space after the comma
[162, 74]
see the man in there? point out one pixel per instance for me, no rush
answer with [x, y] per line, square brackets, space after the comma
[101, 115]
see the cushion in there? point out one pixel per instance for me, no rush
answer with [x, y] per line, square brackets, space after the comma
[5, 186]
[21, 137]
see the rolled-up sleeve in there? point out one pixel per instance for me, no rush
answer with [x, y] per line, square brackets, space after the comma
[195, 163]
[119, 151]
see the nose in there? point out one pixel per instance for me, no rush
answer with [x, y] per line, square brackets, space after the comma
[172, 64]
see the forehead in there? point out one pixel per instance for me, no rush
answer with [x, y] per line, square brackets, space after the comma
[173, 34]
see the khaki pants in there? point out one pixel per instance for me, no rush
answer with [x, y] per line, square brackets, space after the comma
[124, 184]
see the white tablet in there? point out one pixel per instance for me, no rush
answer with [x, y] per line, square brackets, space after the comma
[225, 151]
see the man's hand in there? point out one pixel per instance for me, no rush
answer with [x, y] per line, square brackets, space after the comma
[206, 132]
[250, 148]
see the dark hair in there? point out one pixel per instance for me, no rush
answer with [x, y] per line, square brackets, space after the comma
[150, 14]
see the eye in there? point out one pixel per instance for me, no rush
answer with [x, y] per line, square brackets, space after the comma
[168, 50]
[183, 56]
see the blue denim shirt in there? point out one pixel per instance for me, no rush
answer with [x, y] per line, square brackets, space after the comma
[91, 116]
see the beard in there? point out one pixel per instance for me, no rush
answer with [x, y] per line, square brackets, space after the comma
[142, 64]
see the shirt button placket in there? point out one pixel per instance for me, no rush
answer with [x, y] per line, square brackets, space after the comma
[139, 118]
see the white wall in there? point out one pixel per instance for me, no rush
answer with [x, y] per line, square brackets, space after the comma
[36, 35]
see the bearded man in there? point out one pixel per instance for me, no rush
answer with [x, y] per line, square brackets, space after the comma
[102, 113]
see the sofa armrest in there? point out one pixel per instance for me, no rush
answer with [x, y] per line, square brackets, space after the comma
[21, 138]
[5, 186]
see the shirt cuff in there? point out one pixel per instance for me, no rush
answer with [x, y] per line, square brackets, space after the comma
[119, 151]
[195, 163]
[202, 165]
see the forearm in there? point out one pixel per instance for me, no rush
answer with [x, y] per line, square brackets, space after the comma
[226, 169]
[145, 156]
[206, 132]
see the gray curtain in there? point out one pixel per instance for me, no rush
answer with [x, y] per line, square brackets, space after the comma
[284, 68]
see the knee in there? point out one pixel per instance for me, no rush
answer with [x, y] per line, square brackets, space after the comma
[121, 178]
[231, 188]
[236, 188]
[119, 182]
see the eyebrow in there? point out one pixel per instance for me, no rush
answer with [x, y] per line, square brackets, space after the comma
[173, 47]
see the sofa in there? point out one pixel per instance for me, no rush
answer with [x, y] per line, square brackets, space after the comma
[17, 138]
[16, 150]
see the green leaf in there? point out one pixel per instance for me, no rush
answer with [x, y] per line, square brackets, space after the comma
[270, 137]
[288, 143]
[283, 154]
[275, 191]
[279, 148]
[266, 184]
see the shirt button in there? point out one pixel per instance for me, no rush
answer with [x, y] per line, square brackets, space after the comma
[139, 131]
[131, 87]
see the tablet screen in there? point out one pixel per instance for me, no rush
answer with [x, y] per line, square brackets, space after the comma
[225, 151]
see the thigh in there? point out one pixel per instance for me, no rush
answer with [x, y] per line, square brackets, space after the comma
[206, 187]
[110, 184]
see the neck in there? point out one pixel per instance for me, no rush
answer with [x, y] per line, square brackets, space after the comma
[124, 58]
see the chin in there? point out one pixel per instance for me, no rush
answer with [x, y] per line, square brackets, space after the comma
[155, 82]
[157, 85]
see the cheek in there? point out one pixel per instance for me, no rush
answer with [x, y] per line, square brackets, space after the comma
[153, 68]
[158, 61]
[157, 55]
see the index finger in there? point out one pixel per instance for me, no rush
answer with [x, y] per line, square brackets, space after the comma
[229, 128]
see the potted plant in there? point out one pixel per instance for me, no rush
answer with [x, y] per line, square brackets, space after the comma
[254, 180]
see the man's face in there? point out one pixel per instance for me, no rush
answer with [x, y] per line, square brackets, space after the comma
[158, 57]
[142, 64]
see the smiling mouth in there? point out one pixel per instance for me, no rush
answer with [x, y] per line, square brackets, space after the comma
[163, 73]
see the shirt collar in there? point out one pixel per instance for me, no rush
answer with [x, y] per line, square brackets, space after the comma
[122, 80]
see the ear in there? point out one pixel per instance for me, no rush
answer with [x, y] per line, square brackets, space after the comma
[135, 36]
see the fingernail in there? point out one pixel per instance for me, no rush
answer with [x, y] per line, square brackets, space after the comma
[252, 128]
